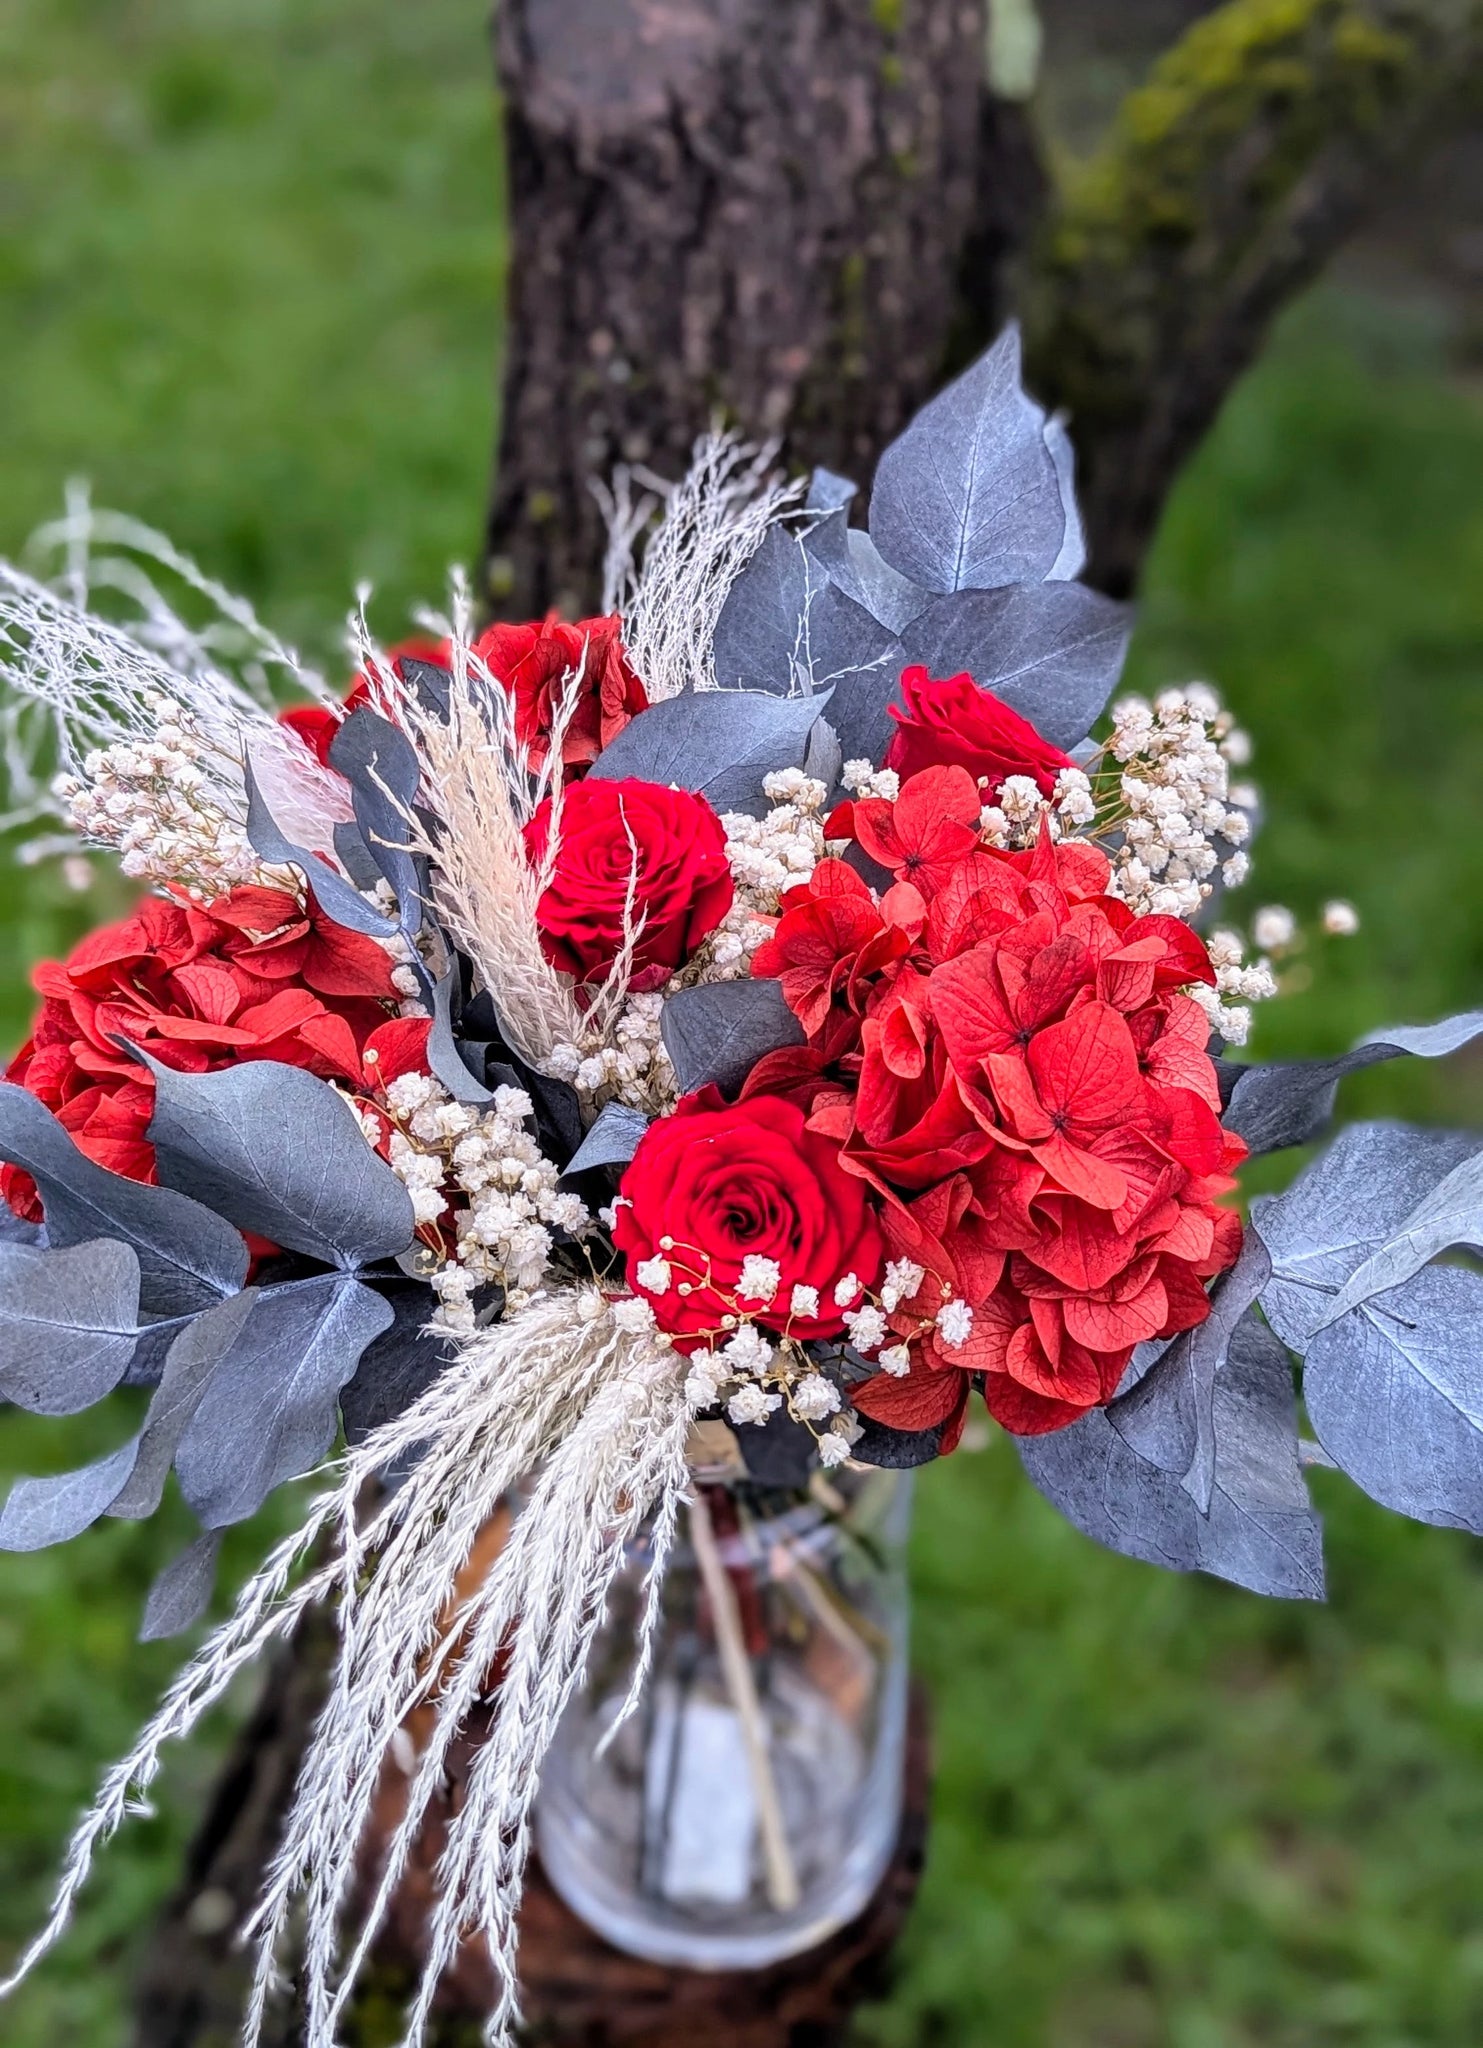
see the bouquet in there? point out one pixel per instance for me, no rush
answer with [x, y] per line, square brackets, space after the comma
[765, 1004]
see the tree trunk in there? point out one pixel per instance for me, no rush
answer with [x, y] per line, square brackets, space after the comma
[1258, 145]
[757, 208]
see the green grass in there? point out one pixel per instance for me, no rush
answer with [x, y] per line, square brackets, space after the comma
[250, 269]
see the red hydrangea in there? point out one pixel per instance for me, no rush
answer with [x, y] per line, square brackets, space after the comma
[715, 1184]
[254, 977]
[1004, 1053]
[634, 853]
[954, 723]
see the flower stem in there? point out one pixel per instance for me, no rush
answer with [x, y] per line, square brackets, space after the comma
[736, 1670]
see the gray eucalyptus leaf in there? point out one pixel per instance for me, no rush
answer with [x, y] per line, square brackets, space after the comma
[384, 774]
[841, 641]
[182, 1591]
[1290, 1102]
[194, 1354]
[270, 1409]
[444, 1058]
[41, 1512]
[188, 1257]
[824, 760]
[871, 581]
[1073, 554]
[334, 895]
[1053, 651]
[859, 711]
[354, 856]
[759, 637]
[398, 1365]
[428, 681]
[829, 492]
[1168, 1416]
[16, 1230]
[279, 1152]
[1261, 1531]
[612, 1141]
[722, 744]
[68, 1323]
[968, 497]
[788, 627]
[895, 1450]
[718, 1031]
[1341, 1210]
[1452, 1214]
[1394, 1391]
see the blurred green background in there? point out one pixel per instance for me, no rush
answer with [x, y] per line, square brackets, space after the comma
[250, 271]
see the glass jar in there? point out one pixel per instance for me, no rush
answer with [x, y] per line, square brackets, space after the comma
[750, 1806]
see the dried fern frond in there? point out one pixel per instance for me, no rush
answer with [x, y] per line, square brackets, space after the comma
[714, 521]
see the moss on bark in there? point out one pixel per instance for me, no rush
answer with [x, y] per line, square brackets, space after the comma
[1228, 180]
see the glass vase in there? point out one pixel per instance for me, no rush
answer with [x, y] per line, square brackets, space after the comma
[750, 1806]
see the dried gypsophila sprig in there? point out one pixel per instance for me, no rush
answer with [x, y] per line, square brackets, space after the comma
[479, 1177]
[168, 806]
[154, 759]
[753, 1370]
[1160, 788]
[81, 682]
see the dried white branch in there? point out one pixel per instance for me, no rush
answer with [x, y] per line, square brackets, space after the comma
[627, 519]
[592, 1419]
[232, 639]
[714, 521]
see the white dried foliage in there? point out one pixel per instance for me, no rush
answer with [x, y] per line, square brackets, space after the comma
[627, 518]
[478, 785]
[713, 522]
[591, 1418]
[482, 788]
[94, 656]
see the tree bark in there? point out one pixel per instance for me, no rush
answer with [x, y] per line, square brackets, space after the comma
[1258, 145]
[757, 208]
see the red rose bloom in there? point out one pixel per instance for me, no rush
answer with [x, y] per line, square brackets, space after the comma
[713, 1185]
[534, 661]
[1004, 1054]
[636, 850]
[957, 724]
[255, 977]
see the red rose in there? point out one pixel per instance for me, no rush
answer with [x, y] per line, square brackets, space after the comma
[713, 1185]
[255, 977]
[635, 851]
[957, 724]
[535, 661]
